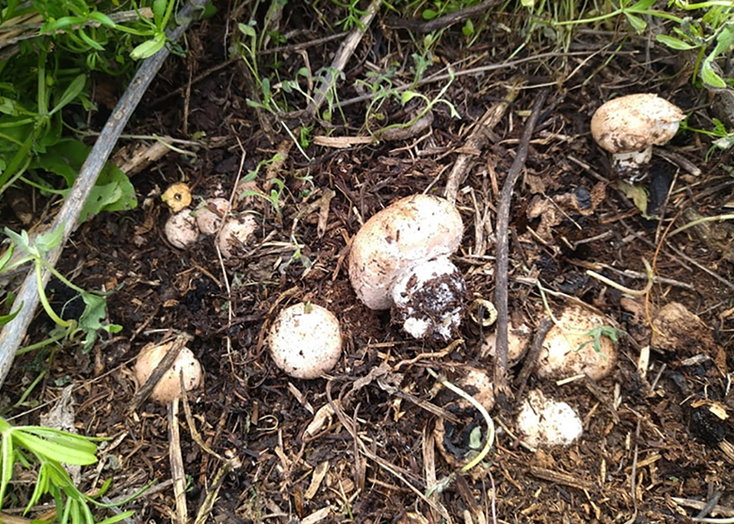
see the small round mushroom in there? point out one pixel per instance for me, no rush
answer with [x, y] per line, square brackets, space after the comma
[305, 340]
[546, 422]
[181, 229]
[177, 197]
[570, 346]
[518, 339]
[168, 388]
[630, 125]
[209, 217]
[235, 232]
[400, 257]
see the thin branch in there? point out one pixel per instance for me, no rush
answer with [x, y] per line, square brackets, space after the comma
[14, 332]
[501, 390]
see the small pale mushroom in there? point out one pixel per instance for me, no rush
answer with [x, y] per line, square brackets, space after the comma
[577, 345]
[545, 422]
[629, 126]
[400, 259]
[305, 340]
[181, 229]
[235, 232]
[168, 388]
[209, 216]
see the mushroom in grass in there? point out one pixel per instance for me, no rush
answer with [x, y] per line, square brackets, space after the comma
[177, 197]
[168, 388]
[630, 125]
[181, 229]
[305, 340]
[579, 343]
[546, 422]
[400, 259]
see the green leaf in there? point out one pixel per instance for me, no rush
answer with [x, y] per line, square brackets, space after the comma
[149, 47]
[71, 93]
[709, 76]
[7, 462]
[48, 240]
[118, 518]
[159, 12]
[54, 451]
[4, 319]
[102, 19]
[637, 194]
[637, 23]
[674, 43]
[641, 6]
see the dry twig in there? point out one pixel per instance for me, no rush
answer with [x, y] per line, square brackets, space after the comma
[501, 389]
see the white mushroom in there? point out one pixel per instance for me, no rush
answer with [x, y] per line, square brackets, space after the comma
[577, 345]
[518, 339]
[400, 258]
[235, 232]
[209, 217]
[305, 341]
[168, 388]
[181, 229]
[630, 125]
[546, 422]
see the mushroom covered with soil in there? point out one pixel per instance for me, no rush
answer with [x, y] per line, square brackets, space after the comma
[305, 340]
[579, 343]
[168, 387]
[400, 259]
[630, 125]
[546, 422]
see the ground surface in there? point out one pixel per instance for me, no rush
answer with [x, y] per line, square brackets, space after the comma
[651, 447]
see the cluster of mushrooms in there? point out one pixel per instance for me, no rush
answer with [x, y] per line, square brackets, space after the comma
[400, 260]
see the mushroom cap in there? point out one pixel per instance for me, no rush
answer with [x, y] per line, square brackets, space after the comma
[305, 340]
[181, 229]
[429, 298]
[168, 387]
[546, 422]
[413, 229]
[209, 216]
[177, 196]
[568, 348]
[635, 122]
[234, 232]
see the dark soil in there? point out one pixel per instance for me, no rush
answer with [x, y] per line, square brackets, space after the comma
[652, 447]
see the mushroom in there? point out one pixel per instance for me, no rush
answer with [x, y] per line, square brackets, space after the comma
[177, 197]
[181, 229]
[400, 259]
[546, 422]
[168, 388]
[210, 215]
[630, 125]
[577, 344]
[305, 340]
[235, 232]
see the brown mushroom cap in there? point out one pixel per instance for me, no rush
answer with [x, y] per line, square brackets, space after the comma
[413, 229]
[635, 122]
[169, 386]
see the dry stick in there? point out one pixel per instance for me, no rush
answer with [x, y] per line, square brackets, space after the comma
[477, 141]
[442, 22]
[178, 473]
[501, 390]
[28, 297]
[342, 57]
[531, 360]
